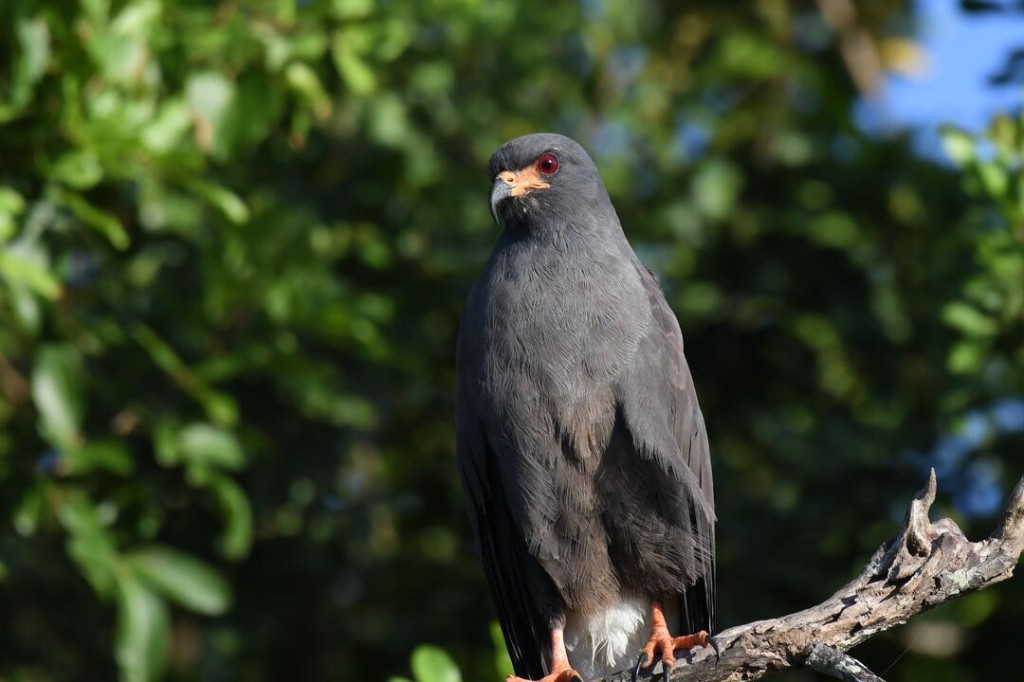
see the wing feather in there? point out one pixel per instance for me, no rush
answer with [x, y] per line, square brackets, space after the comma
[513, 575]
[662, 414]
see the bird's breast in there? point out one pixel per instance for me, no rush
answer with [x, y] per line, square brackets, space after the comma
[557, 332]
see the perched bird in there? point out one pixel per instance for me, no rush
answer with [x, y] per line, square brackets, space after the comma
[580, 441]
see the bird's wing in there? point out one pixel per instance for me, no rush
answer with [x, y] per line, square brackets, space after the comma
[659, 404]
[512, 573]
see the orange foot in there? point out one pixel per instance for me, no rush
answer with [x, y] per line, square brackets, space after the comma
[566, 675]
[661, 640]
[561, 671]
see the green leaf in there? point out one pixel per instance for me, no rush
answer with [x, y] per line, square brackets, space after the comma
[958, 145]
[210, 446]
[303, 80]
[142, 631]
[351, 9]
[389, 124]
[109, 226]
[58, 393]
[34, 37]
[219, 407]
[1002, 130]
[834, 229]
[745, 54]
[97, 11]
[32, 59]
[433, 664]
[168, 128]
[716, 186]
[969, 320]
[994, 179]
[29, 512]
[966, 357]
[254, 110]
[11, 205]
[90, 543]
[182, 578]
[105, 455]
[701, 299]
[20, 266]
[11, 201]
[165, 443]
[357, 75]
[27, 310]
[236, 540]
[79, 168]
[137, 19]
[209, 94]
[226, 201]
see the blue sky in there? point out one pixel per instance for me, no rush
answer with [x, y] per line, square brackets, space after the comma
[961, 52]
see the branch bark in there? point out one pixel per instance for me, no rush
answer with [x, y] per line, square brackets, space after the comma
[855, 44]
[926, 565]
[834, 663]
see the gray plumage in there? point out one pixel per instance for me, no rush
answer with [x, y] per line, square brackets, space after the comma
[580, 441]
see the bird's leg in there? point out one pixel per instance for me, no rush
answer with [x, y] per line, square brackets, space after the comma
[661, 639]
[561, 671]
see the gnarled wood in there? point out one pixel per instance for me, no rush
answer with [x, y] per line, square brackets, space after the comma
[926, 565]
[834, 663]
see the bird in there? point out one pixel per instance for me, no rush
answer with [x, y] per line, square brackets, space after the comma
[580, 442]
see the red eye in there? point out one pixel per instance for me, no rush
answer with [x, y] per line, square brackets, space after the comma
[547, 164]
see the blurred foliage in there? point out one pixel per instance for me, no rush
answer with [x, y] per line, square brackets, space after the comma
[431, 664]
[234, 243]
[989, 313]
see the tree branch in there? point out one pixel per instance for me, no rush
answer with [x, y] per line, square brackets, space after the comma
[834, 663]
[926, 565]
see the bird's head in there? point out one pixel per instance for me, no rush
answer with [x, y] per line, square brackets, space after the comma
[542, 178]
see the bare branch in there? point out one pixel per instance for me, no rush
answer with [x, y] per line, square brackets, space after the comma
[834, 663]
[926, 565]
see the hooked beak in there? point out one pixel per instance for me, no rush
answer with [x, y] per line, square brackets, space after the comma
[514, 184]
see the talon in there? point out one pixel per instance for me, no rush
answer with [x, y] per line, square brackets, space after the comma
[713, 643]
[648, 653]
[666, 668]
[642, 661]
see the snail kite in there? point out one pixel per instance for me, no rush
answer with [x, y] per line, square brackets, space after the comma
[580, 441]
